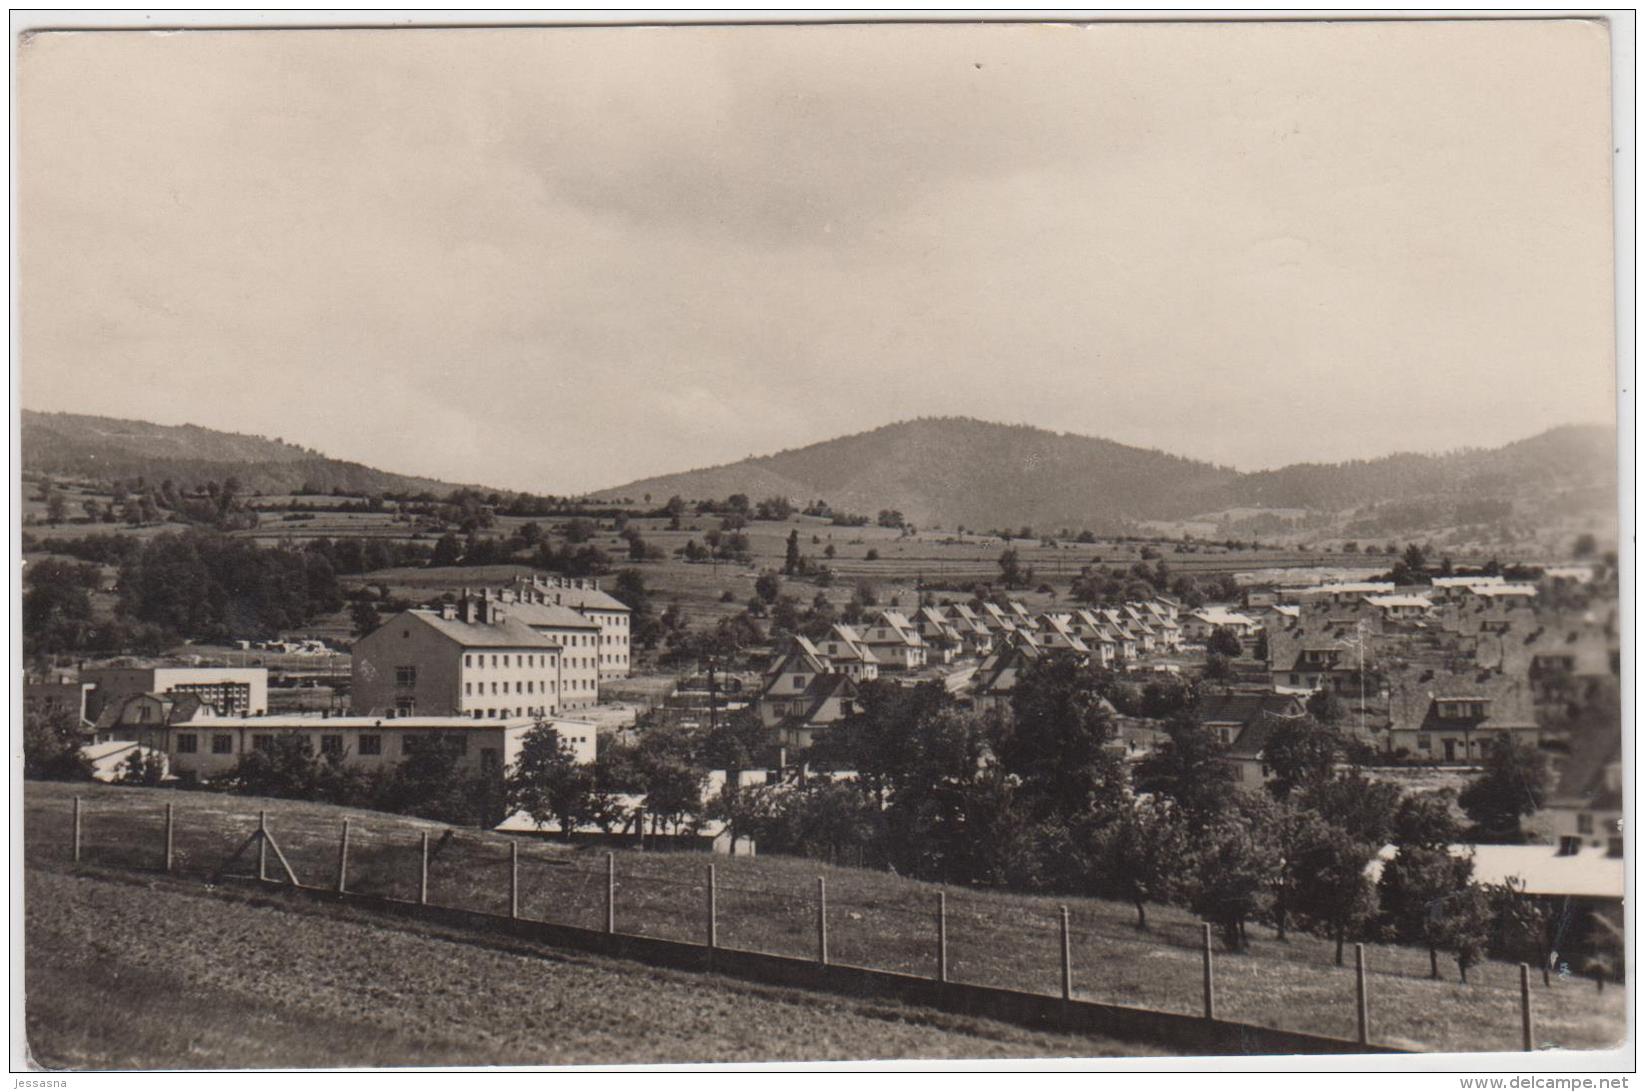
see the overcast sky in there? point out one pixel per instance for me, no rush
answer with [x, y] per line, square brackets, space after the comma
[563, 259]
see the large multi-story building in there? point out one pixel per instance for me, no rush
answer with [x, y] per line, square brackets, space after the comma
[583, 595]
[468, 659]
[232, 691]
[581, 638]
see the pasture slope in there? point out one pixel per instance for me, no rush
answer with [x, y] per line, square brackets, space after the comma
[124, 973]
[767, 905]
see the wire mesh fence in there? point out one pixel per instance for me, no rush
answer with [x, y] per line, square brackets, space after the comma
[1096, 951]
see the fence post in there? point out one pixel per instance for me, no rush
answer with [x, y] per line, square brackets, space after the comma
[1205, 947]
[422, 886]
[1362, 1003]
[822, 921]
[1067, 960]
[342, 860]
[1525, 1028]
[76, 830]
[610, 892]
[262, 845]
[713, 923]
[513, 879]
[169, 854]
[942, 936]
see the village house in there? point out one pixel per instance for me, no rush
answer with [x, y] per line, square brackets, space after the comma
[997, 676]
[1054, 634]
[1166, 612]
[1586, 807]
[1200, 624]
[845, 650]
[1401, 608]
[1096, 636]
[803, 694]
[1458, 716]
[1241, 720]
[943, 643]
[128, 714]
[997, 619]
[470, 659]
[208, 746]
[978, 638]
[895, 642]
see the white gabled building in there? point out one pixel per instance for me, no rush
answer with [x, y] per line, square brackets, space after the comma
[895, 642]
[1199, 625]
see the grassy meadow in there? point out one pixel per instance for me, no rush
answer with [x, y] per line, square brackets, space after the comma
[875, 919]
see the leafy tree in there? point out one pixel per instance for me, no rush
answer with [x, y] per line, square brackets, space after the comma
[1190, 768]
[578, 531]
[1585, 546]
[1232, 876]
[57, 612]
[1468, 927]
[1218, 668]
[547, 782]
[364, 616]
[767, 586]
[1513, 785]
[630, 588]
[448, 550]
[144, 767]
[1056, 740]
[1424, 820]
[1011, 574]
[1333, 896]
[672, 776]
[1141, 855]
[828, 821]
[429, 783]
[51, 745]
[792, 559]
[1300, 752]
[286, 766]
[1415, 890]
[1362, 808]
[1225, 642]
[1525, 927]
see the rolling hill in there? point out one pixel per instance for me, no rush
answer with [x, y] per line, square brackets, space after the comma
[107, 449]
[948, 471]
[943, 472]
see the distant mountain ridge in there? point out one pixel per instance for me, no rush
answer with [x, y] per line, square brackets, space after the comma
[962, 471]
[111, 448]
[940, 472]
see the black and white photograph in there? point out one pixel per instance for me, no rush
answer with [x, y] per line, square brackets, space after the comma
[1093, 541]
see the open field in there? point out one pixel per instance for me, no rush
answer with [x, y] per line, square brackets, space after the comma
[875, 919]
[123, 974]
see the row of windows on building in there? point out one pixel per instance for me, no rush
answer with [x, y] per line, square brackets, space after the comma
[366, 744]
[520, 659]
[527, 687]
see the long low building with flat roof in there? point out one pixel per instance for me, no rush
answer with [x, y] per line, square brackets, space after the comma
[209, 746]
